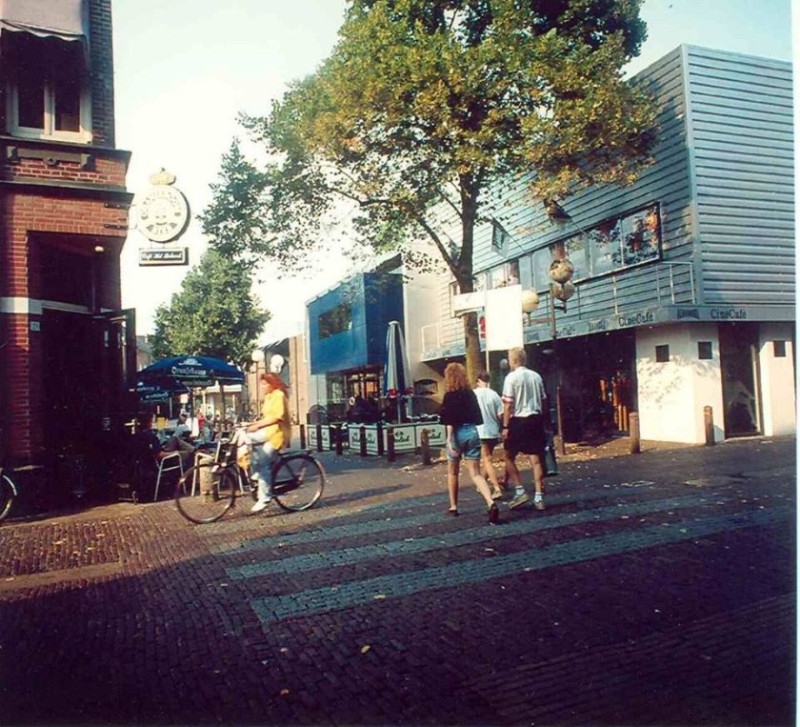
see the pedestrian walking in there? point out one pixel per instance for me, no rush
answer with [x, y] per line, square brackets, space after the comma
[491, 406]
[461, 415]
[524, 404]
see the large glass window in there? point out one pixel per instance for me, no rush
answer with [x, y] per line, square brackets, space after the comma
[336, 320]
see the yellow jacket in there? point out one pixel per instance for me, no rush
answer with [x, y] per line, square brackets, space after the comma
[276, 406]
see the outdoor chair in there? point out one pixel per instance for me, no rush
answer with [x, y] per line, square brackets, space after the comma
[168, 463]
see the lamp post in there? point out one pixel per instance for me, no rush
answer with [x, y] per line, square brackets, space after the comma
[561, 289]
[257, 357]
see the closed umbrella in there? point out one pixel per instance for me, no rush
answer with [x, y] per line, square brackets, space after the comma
[397, 377]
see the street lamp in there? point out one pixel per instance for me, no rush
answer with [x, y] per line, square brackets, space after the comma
[562, 289]
[257, 357]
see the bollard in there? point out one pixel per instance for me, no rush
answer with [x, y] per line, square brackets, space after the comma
[319, 437]
[425, 445]
[636, 444]
[362, 440]
[339, 431]
[302, 436]
[380, 439]
[708, 419]
[390, 444]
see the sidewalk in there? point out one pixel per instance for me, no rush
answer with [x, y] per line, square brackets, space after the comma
[655, 589]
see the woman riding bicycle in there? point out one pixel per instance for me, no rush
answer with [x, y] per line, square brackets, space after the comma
[271, 433]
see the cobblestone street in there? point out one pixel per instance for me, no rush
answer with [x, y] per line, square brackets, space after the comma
[655, 589]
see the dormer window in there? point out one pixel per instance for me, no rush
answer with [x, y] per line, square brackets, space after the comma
[47, 88]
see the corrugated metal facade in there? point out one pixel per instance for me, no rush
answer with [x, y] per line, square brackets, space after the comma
[723, 183]
[741, 136]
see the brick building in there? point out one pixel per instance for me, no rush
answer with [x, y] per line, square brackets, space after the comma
[67, 351]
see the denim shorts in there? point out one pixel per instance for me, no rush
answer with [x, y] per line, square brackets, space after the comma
[467, 443]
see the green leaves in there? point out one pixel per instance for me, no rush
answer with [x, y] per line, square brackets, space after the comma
[422, 107]
[213, 314]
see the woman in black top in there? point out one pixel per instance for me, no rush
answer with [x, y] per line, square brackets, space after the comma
[460, 414]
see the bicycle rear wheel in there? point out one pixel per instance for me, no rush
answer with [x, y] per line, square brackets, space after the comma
[7, 494]
[298, 481]
[206, 492]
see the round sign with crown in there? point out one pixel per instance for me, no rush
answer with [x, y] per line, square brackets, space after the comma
[163, 210]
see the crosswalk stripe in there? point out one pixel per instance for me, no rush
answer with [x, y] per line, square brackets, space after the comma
[334, 598]
[385, 521]
[465, 536]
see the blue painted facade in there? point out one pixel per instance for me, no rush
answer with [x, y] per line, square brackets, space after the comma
[347, 325]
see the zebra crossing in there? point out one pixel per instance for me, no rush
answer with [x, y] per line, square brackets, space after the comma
[636, 524]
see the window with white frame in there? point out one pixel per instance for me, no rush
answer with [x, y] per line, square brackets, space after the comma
[47, 90]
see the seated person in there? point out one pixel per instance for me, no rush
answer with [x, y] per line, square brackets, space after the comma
[183, 430]
[149, 441]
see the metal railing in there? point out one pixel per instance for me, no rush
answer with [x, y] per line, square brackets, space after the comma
[674, 284]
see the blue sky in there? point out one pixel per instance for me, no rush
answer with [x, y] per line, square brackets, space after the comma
[184, 69]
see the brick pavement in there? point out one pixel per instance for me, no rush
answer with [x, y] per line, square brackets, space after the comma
[656, 589]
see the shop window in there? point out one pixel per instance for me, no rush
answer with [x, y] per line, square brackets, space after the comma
[540, 265]
[47, 91]
[705, 350]
[662, 353]
[779, 349]
[504, 275]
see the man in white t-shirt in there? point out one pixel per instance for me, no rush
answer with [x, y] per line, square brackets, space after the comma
[491, 406]
[524, 407]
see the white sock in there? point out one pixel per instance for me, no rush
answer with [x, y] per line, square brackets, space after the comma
[537, 497]
[519, 491]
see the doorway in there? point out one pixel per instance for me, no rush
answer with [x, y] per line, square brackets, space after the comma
[738, 352]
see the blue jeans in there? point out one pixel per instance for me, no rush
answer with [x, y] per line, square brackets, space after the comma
[465, 443]
[264, 456]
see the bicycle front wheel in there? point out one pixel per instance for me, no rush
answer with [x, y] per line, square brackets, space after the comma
[298, 482]
[205, 492]
[7, 494]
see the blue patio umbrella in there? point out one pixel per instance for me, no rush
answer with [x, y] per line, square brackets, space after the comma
[191, 371]
[396, 376]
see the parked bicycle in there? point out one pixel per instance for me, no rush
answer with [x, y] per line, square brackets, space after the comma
[209, 489]
[8, 492]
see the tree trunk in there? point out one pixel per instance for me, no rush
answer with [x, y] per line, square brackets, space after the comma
[469, 209]
[473, 347]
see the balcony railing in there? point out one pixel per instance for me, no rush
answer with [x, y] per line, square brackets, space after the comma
[667, 283]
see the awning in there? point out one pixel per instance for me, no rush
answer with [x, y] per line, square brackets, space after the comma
[64, 19]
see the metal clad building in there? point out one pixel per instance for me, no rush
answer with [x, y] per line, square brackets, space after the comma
[685, 281]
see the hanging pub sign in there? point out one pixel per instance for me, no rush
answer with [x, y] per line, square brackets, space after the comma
[163, 215]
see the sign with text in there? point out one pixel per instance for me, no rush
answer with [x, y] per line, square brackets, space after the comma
[164, 256]
[504, 318]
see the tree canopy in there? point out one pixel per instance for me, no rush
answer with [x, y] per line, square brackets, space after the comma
[423, 105]
[213, 314]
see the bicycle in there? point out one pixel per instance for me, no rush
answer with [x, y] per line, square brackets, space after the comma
[209, 489]
[8, 492]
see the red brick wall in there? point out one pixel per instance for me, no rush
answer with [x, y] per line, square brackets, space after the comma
[49, 208]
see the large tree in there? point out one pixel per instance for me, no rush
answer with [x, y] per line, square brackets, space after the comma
[213, 314]
[422, 106]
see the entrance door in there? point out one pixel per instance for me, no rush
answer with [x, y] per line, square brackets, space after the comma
[738, 351]
[89, 369]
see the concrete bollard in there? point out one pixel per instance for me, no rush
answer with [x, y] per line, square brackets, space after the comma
[425, 446]
[390, 455]
[708, 419]
[636, 444]
[302, 436]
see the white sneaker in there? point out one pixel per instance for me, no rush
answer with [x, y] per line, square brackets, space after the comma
[260, 506]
